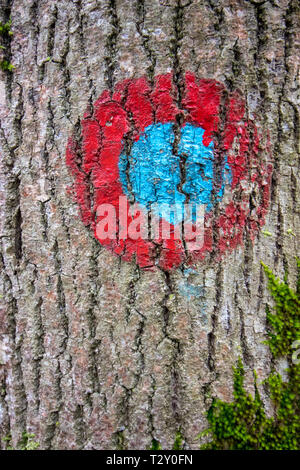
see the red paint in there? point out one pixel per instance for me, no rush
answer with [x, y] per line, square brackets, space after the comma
[135, 105]
[202, 101]
[163, 98]
[138, 103]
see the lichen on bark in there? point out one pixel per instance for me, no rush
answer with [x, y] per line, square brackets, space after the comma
[93, 348]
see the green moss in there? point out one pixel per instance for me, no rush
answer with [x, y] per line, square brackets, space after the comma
[155, 445]
[285, 318]
[5, 28]
[7, 441]
[120, 440]
[5, 33]
[5, 65]
[243, 424]
[178, 443]
[27, 442]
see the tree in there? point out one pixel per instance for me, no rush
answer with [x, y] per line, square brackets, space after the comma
[97, 352]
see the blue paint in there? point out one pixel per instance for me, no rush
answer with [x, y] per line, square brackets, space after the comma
[193, 292]
[187, 288]
[190, 290]
[154, 172]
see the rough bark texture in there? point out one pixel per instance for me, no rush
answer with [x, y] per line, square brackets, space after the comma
[95, 352]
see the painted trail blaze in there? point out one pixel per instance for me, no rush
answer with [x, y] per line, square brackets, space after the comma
[137, 143]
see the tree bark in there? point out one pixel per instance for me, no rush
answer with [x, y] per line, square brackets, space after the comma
[95, 352]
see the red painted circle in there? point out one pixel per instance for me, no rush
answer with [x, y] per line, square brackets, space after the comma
[134, 105]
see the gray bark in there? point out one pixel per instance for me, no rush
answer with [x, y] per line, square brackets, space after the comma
[95, 352]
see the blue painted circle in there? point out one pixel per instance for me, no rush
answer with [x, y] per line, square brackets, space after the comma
[153, 174]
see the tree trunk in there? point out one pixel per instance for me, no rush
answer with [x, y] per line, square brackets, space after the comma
[97, 352]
